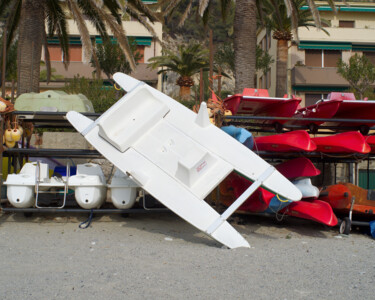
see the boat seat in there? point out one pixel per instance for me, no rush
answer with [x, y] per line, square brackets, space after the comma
[255, 92]
[126, 122]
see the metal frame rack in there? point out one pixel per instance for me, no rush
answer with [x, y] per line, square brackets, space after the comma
[252, 123]
[57, 120]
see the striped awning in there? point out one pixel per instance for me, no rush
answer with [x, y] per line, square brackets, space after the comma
[325, 45]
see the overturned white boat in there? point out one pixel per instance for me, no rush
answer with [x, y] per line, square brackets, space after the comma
[122, 190]
[177, 156]
[89, 186]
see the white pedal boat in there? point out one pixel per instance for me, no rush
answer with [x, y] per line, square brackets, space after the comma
[21, 186]
[177, 156]
[122, 190]
[89, 185]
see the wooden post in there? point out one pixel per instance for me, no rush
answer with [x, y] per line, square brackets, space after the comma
[4, 61]
[211, 60]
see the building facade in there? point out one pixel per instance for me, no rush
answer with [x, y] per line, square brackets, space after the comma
[80, 65]
[312, 71]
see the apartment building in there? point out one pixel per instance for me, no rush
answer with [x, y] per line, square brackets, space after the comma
[147, 46]
[312, 71]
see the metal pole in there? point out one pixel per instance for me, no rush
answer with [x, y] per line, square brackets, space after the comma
[4, 61]
[211, 60]
[201, 91]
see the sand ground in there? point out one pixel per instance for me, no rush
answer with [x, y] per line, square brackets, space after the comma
[160, 256]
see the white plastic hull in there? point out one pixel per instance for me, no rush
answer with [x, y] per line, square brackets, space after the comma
[123, 197]
[21, 196]
[89, 197]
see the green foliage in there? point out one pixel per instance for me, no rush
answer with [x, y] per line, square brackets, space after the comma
[43, 74]
[112, 59]
[194, 28]
[359, 72]
[101, 96]
[187, 62]
[224, 57]
[11, 61]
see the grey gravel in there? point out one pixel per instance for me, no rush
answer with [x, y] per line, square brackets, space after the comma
[159, 256]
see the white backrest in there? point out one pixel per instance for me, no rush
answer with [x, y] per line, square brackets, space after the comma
[131, 118]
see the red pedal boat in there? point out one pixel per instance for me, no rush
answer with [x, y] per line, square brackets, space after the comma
[298, 140]
[257, 102]
[350, 108]
[347, 142]
[339, 196]
[233, 187]
[298, 167]
[370, 139]
[315, 210]
[323, 109]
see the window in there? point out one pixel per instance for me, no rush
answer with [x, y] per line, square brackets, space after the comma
[313, 58]
[75, 52]
[322, 58]
[331, 58]
[346, 24]
[55, 53]
[311, 99]
[141, 51]
[370, 56]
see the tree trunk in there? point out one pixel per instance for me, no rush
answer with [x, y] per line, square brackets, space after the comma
[244, 44]
[30, 45]
[185, 93]
[281, 68]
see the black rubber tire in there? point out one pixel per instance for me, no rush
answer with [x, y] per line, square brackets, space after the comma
[364, 129]
[313, 128]
[278, 127]
[28, 214]
[345, 226]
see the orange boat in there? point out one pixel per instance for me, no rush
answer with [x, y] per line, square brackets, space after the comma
[339, 196]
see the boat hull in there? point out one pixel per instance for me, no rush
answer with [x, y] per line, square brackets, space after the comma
[260, 104]
[346, 142]
[298, 167]
[315, 210]
[321, 110]
[298, 140]
[339, 196]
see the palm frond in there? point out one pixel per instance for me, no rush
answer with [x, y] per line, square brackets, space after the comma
[47, 59]
[186, 13]
[85, 35]
[120, 35]
[203, 6]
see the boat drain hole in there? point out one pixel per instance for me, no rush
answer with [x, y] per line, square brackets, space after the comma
[87, 201]
[123, 202]
[18, 200]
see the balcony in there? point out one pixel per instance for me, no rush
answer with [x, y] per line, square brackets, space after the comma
[315, 76]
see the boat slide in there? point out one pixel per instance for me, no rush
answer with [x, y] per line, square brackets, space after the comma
[177, 156]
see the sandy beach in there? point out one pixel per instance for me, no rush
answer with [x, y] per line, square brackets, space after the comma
[160, 256]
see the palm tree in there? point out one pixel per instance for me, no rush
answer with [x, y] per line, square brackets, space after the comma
[276, 18]
[245, 26]
[35, 20]
[187, 62]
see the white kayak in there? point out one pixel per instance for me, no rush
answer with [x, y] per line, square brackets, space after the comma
[177, 156]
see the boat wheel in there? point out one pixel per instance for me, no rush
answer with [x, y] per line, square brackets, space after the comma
[345, 226]
[364, 129]
[278, 127]
[313, 128]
